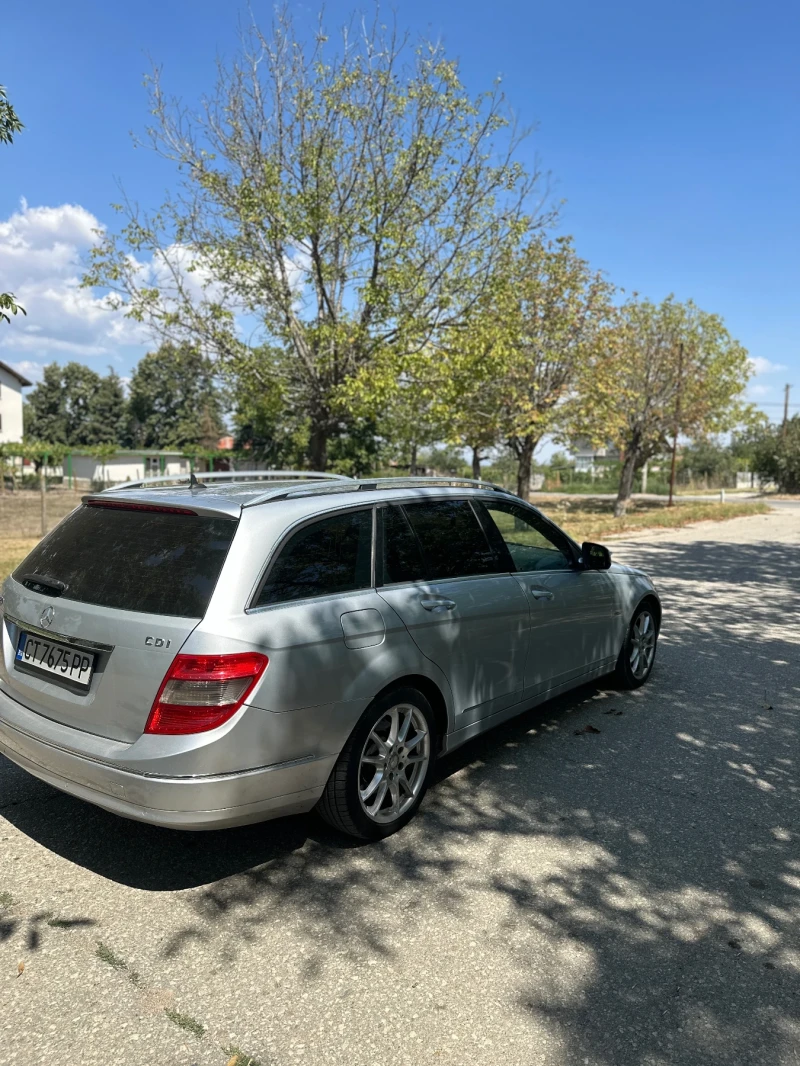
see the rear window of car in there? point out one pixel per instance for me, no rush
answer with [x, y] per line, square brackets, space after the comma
[452, 540]
[323, 558]
[147, 561]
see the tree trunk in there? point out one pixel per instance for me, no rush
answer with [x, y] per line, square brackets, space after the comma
[626, 482]
[476, 463]
[644, 478]
[43, 491]
[412, 462]
[318, 446]
[524, 451]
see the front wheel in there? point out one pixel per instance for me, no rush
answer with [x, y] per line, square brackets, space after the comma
[638, 650]
[383, 771]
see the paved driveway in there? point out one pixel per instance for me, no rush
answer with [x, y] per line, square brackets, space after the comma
[624, 897]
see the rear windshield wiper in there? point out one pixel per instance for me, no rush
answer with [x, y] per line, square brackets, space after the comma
[43, 583]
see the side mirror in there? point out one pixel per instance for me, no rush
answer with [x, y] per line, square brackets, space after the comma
[595, 556]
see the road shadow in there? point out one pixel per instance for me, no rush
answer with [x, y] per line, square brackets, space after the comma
[660, 853]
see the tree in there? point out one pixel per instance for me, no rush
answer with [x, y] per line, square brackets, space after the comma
[776, 455]
[74, 406]
[507, 370]
[45, 414]
[9, 125]
[174, 400]
[80, 386]
[343, 199]
[663, 364]
[107, 412]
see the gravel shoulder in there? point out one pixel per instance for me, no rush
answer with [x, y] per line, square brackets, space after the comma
[625, 898]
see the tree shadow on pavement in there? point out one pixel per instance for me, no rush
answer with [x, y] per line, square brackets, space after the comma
[643, 883]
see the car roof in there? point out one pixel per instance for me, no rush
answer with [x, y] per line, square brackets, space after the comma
[230, 498]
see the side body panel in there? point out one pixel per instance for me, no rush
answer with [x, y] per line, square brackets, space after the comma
[476, 629]
[572, 625]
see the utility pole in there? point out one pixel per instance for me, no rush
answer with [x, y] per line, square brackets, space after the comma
[677, 426]
[786, 391]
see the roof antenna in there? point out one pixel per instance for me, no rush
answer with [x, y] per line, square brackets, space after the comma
[194, 483]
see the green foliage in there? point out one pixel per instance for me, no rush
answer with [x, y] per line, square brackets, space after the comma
[108, 417]
[174, 400]
[9, 119]
[349, 199]
[659, 356]
[9, 306]
[73, 405]
[444, 461]
[776, 455]
[266, 425]
[711, 459]
[9, 125]
[505, 371]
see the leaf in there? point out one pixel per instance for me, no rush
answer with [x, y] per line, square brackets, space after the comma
[20, 969]
[586, 729]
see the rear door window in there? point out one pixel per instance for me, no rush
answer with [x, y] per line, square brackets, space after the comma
[154, 562]
[323, 558]
[402, 557]
[451, 538]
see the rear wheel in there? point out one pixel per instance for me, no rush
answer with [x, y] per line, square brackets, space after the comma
[639, 649]
[383, 771]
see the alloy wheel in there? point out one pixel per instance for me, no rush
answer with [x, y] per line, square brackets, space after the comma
[643, 644]
[394, 762]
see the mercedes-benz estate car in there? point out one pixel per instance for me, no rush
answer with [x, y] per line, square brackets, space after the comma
[228, 651]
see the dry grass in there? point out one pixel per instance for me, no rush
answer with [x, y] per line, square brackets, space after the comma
[12, 551]
[594, 519]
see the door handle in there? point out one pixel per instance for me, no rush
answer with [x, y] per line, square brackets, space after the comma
[539, 593]
[437, 604]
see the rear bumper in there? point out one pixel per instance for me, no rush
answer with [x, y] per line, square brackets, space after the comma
[198, 802]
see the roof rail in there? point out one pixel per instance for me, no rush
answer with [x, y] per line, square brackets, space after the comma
[228, 475]
[370, 484]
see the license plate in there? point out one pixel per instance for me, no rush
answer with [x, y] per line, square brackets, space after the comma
[55, 660]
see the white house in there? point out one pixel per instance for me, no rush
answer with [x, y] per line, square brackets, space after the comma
[11, 386]
[125, 466]
[588, 458]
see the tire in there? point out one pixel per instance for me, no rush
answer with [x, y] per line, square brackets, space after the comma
[368, 762]
[638, 653]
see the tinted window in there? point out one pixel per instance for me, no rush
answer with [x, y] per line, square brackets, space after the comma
[453, 543]
[531, 543]
[329, 556]
[146, 561]
[402, 560]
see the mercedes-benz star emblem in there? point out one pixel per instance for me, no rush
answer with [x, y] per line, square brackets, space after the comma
[47, 617]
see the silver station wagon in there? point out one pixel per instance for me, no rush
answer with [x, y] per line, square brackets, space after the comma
[236, 649]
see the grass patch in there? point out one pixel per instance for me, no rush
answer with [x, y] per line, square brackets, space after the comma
[12, 551]
[238, 1057]
[106, 955]
[6, 900]
[594, 519]
[185, 1021]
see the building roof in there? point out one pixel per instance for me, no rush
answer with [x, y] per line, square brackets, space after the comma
[14, 373]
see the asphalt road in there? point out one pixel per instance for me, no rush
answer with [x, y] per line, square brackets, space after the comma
[626, 898]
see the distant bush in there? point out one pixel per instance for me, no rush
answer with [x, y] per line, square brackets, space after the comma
[777, 456]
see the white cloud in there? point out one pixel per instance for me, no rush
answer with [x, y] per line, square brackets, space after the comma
[41, 254]
[765, 366]
[28, 369]
[759, 391]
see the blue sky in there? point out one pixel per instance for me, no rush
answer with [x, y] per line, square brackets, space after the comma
[671, 131]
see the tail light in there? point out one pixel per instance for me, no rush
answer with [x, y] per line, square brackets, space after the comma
[201, 692]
